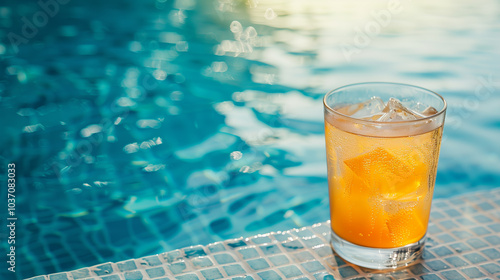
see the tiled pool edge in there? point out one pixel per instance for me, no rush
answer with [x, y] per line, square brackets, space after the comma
[463, 243]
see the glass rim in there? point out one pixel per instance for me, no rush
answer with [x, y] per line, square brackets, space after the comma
[330, 109]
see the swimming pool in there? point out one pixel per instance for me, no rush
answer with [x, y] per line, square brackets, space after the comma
[138, 128]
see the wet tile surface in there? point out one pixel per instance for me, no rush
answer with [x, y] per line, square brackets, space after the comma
[463, 243]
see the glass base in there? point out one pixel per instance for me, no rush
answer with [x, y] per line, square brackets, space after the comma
[377, 258]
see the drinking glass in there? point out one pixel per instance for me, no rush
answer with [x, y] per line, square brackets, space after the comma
[382, 144]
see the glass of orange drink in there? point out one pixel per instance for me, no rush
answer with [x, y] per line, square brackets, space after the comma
[382, 143]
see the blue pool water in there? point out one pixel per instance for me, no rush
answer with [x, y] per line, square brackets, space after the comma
[138, 127]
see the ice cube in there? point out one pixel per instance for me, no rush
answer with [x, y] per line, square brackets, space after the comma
[374, 109]
[390, 115]
[408, 202]
[373, 117]
[423, 110]
[395, 115]
[396, 111]
[368, 108]
[390, 175]
[429, 111]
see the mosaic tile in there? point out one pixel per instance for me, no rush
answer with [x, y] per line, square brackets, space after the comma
[172, 256]
[322, 276]
[323, 251]
[190, 276]
[313, 266]
[269, 275]
[224, 258]
[126, 266]
[290, 271]
[304, 233]
[59, 276]
[426, 255]
[462, 234]
[202, 262]
[196, 251]
[292, 245]
[440, 204]
[468, 210]
[418, 269]
[212, 273]
[435, 215]
[492, 254]
[448, 224]
[485, 206]
[155, 272]
[472, 272]
[236, 244]
[431, 277]
[482, 219]
[465, 221]
[377, 277]
[495, 227]
[321, 229]
[468, 249]
[81, 273]
[303, 256]
[493, 240]
[347, 271]
[312, 242]
[453, 275]
[103, 269]
[152, 261]
[217, 247]
[279, 260]
[475, 258]
[445, 237]
[460, 247]
[262, 240]
[453, 213]
[437, 265]
[282, 236]
[442, 251]
[476, 243]
[177, 268]
[234, 269]
[270, 249]
[480, 230]
[133, 275]
[248, 253]
[456, 261]
[111, 277]
[492, 268]
[258, 264]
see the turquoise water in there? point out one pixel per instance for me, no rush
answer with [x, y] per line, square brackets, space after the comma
[141, 127]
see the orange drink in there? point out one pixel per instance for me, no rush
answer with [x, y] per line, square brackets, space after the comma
[380, 193]
[382, 153]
